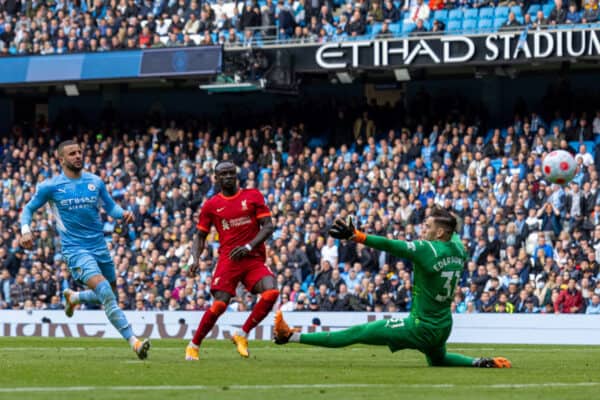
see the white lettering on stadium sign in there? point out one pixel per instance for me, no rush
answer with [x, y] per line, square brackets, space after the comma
[502, 46]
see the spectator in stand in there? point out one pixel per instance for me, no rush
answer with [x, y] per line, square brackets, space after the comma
[573, 15]
[512, 22]
[419, 28]
[419, 11]
[569, 300]
[594, 305]
[558, 15]
[391, 14]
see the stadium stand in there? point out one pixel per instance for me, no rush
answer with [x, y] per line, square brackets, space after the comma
[75, 26]
[527, 239]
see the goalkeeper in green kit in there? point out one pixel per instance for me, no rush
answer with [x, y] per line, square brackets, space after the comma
[438, 262]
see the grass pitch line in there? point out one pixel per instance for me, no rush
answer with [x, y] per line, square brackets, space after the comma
[294, 386]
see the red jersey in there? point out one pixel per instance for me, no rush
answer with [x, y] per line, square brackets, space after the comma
[236, 219]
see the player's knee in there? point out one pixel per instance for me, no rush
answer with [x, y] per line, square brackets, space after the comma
[270, 295]
[218, 307]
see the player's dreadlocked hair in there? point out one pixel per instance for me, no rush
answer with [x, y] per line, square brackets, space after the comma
[444, 218]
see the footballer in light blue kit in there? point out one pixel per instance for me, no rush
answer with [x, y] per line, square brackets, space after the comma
[75, 198]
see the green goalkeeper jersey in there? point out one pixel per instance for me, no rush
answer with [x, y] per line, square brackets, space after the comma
[437, 267]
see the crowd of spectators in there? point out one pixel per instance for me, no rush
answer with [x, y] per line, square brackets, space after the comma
[74, 26]
[534, 247]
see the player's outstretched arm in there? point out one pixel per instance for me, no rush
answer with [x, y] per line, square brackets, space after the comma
[414, 251]
[266, 230]
[38, 200]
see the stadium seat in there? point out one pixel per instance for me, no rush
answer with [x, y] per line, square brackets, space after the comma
[484, 25]
[533, 9]
[486, 13]
[454, 25]
[517, 10]
[395, 28]
[547, 9]
[470, 25]
[471, 13]
[407, 28]
[455, 15]
[441, 15]
[496, 163]
[501, 12]
[376, 28]
[498, 22]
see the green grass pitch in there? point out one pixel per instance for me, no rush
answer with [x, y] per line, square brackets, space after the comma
[40, 368]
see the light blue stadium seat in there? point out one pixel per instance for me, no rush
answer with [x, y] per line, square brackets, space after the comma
[454, 25]
[486, 13]
[517, 10]
[471, 13]
[377, 27]
[440, 15]
[395, 28]
[484, 24]
[496, 163]
[501, 12]
[407, 28]
[533, 9]
[498, 22]
[470, 25]
[455, 15]
[548, 9]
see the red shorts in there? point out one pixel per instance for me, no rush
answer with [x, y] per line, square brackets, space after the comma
[228, 274]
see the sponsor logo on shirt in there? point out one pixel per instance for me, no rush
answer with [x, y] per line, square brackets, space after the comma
[236, 222]
[79, 202]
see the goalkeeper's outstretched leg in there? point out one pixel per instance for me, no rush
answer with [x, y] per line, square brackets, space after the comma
[397, 334]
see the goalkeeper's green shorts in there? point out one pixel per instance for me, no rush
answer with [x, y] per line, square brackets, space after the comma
[408, 333]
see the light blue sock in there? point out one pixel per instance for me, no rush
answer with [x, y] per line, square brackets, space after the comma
[113, 312]
[88, 297]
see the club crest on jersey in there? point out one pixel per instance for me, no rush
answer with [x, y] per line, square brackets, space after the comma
[244, 205]
[91, 187]
[225, 224]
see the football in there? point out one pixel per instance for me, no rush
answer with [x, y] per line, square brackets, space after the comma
[559, 167]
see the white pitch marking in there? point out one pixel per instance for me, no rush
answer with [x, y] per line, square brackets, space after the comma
[297, 386]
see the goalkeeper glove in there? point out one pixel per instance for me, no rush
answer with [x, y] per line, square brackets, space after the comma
[346, 230]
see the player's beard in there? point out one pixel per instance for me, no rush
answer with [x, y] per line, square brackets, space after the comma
[73, 168]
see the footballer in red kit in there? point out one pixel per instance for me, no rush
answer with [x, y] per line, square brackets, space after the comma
[243, 222]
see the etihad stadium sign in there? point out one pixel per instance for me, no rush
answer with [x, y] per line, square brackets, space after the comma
[499, 47]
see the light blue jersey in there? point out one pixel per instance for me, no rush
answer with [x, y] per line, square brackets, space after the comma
[76, 204]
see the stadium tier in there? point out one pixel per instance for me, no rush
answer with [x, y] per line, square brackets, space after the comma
[68, 27]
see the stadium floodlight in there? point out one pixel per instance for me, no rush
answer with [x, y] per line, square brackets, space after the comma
[402, 74]
[344, 77]
[71, 90]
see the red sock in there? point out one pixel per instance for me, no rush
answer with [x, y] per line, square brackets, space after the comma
[208, 321]
[261, 309]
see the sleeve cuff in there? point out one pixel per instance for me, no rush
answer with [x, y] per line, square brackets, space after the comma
[359, 237]
[202, 228]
